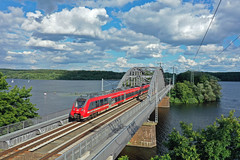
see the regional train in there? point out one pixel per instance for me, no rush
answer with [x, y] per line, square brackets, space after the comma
[88, 107]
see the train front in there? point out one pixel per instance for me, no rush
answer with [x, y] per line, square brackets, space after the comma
[78, 110]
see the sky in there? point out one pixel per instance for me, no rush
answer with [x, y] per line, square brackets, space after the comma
[115, 35]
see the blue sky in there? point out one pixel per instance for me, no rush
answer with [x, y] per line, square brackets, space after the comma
[119, 34]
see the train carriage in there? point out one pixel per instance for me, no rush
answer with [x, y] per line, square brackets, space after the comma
[86, 107]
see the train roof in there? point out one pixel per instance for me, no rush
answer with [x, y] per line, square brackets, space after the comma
[106, 93]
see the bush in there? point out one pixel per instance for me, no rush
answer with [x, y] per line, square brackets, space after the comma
[218, 141]
[192, 101]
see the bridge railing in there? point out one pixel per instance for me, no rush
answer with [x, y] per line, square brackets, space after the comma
[98, 137]
[30, 122]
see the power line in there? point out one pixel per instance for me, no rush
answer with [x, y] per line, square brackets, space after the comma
[207, 29]
[229, 45]
[225, 48]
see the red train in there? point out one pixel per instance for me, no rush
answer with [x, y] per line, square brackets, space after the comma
[84, 108]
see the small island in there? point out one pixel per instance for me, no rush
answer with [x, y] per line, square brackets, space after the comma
[205, 88]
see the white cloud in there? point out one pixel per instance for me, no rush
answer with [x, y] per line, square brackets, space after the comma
[46, 44]
[121, 62]
[9, 58]
[104, 3]
[186, 61]
[178, 23]
[77, 21]
[12, 19]
[183, 23]
[59, 59]
[22, 53]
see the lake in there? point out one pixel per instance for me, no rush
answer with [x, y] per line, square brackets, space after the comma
[54, 95]
[199, 115]
[60, 95]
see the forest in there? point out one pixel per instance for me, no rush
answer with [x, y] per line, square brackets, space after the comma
[49, 74]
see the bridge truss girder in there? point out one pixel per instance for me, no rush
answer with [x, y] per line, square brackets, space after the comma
[138, 76]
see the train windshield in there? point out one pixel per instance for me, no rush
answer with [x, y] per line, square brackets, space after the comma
[80, 102]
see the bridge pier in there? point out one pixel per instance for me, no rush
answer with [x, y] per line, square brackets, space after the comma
[165, 102]
[146, 134]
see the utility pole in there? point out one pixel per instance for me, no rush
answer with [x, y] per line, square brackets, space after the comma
[102, 84]
[160, 64]
[192, 76]
[173, 76]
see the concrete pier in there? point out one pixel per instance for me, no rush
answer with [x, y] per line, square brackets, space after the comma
[145, 136]
[164, 102]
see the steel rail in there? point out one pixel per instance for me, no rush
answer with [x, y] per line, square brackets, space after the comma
[25, 146]
[86, 133]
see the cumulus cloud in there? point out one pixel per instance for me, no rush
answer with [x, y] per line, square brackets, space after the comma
[73, 38]
[183, 23]
[77, 21]
[39, 43]
[186, 61]
[121, 64]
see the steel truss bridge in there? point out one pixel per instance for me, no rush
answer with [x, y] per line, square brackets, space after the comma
[107, 141]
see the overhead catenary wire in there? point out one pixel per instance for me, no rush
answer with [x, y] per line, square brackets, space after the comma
[192, 74]
[207, 29]
[230, 43]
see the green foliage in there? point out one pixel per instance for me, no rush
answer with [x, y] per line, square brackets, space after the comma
[226, 76]
[60, 74]
[15, 104]
[206, 90]
[165, 157]
[218, 141]
[123, 158]
[199, 77]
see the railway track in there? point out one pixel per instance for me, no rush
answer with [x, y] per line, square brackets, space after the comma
[51, 143]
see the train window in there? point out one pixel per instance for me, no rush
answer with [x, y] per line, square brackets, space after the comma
[101, 102]
[105, 101]
[91, 106]
[80, 102]
[97, 103]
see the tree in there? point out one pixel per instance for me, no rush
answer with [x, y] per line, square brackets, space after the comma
[188, 93]
[183, 93]
[218, 141]
[15, 104]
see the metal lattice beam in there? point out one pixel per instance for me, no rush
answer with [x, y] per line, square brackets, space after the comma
[137, 76]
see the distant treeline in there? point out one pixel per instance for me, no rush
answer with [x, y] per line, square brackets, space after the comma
[221, 76]
[226, 76]
[49, 74]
